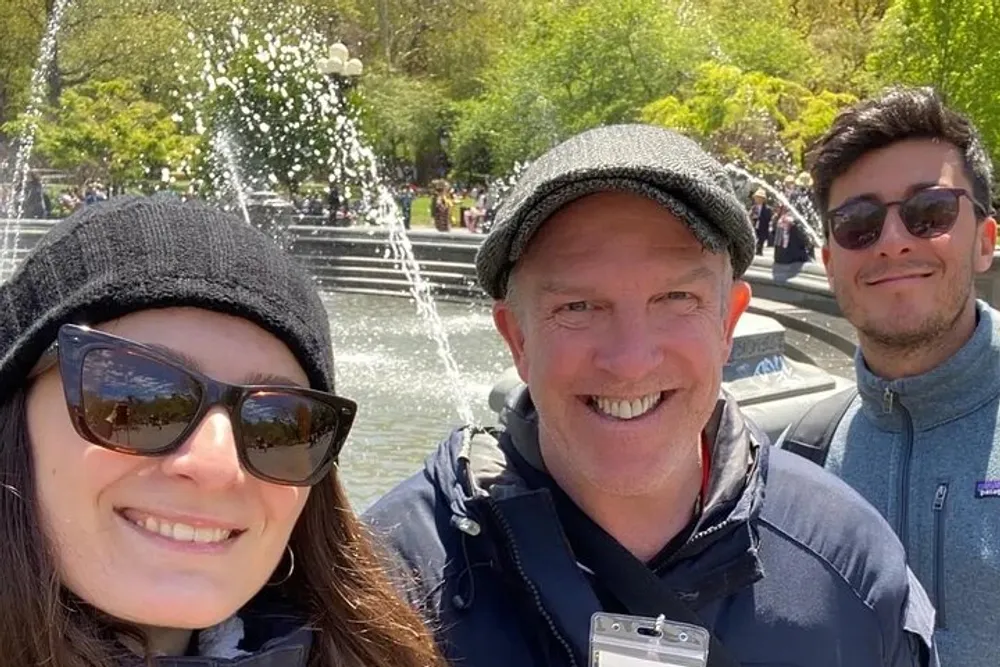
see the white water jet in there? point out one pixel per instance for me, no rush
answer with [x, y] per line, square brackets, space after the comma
[26, 142]
[804, 223]
[223, 146]
[360, 159]
[402, 251]
[285, 57]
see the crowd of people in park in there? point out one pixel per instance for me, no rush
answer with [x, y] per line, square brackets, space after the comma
[38, 204]
[778, 224]
[449, 206]
[623, 512]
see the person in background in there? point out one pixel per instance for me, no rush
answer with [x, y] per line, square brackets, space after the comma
[169, 437]
[792, 241]
[36, 202]
[404, 199]
[333, 205]
[760, 217]
[476, 215]
[441, 204]
[904, 185]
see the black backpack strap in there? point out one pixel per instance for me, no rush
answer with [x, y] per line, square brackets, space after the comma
[811, 435]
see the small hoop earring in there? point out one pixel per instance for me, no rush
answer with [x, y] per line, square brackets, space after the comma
[291, 567]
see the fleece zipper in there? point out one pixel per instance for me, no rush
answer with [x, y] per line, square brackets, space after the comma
[940, 502]
[906, 454]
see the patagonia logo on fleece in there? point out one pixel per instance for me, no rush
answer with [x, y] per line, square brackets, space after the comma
[989, 488]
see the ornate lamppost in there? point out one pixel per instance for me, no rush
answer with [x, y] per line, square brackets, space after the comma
[342, 71]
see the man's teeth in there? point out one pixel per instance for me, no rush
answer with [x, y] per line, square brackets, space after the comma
[627, 409]
[183, 532]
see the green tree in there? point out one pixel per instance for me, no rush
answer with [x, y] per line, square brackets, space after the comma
[761, 120]
[950, 45]
[575, 64]
[404, 116]
[20, 33]
[840, 36]
[757, 35]
[105, 130]
[448, 41]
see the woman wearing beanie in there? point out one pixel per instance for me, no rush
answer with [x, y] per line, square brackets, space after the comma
[168, 444]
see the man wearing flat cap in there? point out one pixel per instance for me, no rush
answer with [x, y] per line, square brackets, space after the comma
[626, 514]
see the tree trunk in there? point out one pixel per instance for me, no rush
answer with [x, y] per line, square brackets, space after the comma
[386, 29]
[3, 113]
[54, 78]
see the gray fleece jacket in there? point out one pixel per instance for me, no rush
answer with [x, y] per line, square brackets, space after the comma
[924, 451]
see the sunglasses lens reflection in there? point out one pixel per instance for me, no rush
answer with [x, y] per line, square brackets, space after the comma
[857, 224]
[287, 437]
[138, 404]
[930, 213]
[135, 403]
[927, 214]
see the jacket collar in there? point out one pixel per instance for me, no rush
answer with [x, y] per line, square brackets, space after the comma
[734, 449]
[478, 479]
[289, 651]
[265, 633]
[970, 378]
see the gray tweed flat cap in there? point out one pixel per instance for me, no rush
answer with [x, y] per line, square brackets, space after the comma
[650, 161]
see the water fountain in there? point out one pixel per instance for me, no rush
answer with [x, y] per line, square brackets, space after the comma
[287, 54]
[222, 144]
[807, 221]
[400, 384]
[18, 178]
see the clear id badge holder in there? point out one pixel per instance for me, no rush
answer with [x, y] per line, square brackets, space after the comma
[631, 641]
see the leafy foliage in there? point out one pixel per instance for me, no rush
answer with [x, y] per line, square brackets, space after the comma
[20, 33]
[950, 46]
[750, 117]
[404, 116]
[106, 130]
[477, 86]
[575, 65]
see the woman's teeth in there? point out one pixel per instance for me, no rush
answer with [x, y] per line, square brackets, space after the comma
[181, 532]
[626, 409]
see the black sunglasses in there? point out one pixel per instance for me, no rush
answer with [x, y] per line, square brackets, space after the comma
[858, 223]
[134, 399]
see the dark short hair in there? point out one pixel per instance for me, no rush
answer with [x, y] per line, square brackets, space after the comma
[897, 114]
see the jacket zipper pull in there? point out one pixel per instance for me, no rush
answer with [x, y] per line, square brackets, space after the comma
[887, 400]
[940, 496]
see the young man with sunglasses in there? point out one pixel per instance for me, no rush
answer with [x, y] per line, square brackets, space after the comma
[904, 184]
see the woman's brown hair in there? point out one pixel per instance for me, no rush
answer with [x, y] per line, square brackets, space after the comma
[338, 582]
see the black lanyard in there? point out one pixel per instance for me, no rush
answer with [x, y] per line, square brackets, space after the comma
[633, 584]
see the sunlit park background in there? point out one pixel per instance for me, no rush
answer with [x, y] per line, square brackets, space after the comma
[466, 89]
[324, 104]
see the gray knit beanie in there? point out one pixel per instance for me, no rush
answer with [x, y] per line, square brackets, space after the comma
[135, 253]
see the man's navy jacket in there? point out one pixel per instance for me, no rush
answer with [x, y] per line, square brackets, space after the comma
[786, 565]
